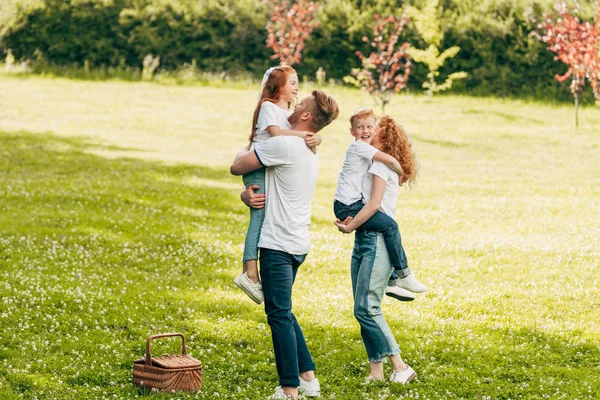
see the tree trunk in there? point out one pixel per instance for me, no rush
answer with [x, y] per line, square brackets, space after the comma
[577, 110]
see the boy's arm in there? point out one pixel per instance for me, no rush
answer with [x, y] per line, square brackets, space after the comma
[390, 162]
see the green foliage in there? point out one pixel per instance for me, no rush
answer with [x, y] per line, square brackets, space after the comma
[497, 51]
[427, 24]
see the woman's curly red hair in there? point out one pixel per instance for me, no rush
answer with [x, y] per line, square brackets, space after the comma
[396, 143]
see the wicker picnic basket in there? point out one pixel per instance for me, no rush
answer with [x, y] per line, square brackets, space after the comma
[168, 372]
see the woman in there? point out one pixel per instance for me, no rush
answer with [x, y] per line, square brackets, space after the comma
[371, 267]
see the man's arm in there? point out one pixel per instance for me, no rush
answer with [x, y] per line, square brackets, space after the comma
[251, 199]
[245, 162]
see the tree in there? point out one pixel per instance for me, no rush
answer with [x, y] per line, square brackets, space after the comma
[427, 24]
[387, 69]
[289, 27]
[575, 44]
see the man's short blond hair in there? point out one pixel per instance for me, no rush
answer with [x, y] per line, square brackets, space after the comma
[360, 114]
[324, 110]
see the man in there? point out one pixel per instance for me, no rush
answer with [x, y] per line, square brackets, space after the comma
[291, 177]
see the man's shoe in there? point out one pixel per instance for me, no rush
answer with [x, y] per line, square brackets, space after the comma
[279, 395]
[253, 290]
[310, 388]
[403, 377]
[399, 294]
[411, 283]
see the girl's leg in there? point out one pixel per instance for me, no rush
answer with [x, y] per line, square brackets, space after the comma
[257, 216]
[376, 372]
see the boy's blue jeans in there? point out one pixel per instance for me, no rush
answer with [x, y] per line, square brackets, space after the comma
[370, 270]
[278, 272]
[257, 215]
[383, 224]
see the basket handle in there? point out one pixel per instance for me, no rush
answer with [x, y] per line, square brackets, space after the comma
[149, 355]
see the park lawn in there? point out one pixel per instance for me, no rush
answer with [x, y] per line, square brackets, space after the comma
[119, 220]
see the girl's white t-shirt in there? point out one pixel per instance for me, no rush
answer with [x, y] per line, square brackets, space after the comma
[270, 115]
[390, 195]
[356, 164]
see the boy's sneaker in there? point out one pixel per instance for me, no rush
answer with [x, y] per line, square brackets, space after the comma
[310, 388]
[279, 394]
[411, 283]
[403, 377]
[399, 294]
[253, 290]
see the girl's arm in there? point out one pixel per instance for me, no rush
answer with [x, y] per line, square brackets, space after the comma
[374, 204]
[312, 139]
[390, 162]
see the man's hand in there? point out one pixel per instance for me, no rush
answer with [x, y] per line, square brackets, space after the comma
[312, 139]
[251, 199]
[343, 225]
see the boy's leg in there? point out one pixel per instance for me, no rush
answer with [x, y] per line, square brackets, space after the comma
[385, 224]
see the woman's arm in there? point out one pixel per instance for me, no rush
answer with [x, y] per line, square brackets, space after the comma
[373, 205]
[390, 162]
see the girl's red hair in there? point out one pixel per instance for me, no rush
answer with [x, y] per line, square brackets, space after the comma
[271, 92]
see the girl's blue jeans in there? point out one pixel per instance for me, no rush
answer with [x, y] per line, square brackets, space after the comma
[384, 224]
[257, 215]
[370, 271]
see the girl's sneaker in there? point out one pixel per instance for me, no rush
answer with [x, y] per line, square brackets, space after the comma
[253, 290]
[279, 395]
[403, 377]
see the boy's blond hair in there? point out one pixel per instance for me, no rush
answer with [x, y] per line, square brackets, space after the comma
[362, 113]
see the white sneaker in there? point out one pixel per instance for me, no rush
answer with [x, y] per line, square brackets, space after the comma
[411, 283]
[310, 388]
[279, 394]
[403, 377]
[399, 294]
[253, 290]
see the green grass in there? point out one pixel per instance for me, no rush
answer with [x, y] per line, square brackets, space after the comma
[119, 220]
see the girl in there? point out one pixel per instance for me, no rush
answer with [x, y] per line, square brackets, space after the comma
[348, 202]
[279, 90]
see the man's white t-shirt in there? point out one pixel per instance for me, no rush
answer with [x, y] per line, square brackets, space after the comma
[390, 195]
[270, 115]
[290, 181]
[354, 169]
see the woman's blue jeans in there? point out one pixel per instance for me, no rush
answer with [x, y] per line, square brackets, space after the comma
[384, 224]
[278, 272]
[257, 215]
[370, 271]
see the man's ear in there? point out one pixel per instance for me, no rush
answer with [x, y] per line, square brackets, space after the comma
[306, 116]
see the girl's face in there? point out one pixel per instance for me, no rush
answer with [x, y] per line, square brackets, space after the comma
[289, 92]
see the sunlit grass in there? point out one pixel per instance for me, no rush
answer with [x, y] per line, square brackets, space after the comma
[120, 220]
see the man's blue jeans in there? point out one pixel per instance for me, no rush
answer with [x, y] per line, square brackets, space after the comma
[278, 272]
[370, 271]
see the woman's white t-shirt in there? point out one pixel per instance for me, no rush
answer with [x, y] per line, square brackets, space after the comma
[390, 195]
[356, 164]
[270, 115]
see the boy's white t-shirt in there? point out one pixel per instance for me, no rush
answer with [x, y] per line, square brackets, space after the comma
[390, 195]
[357, 161]
[290, 183]
[270, 115]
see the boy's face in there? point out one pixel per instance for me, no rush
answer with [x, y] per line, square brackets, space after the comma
[364, 129]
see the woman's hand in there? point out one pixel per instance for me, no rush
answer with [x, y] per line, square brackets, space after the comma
[343, 225]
